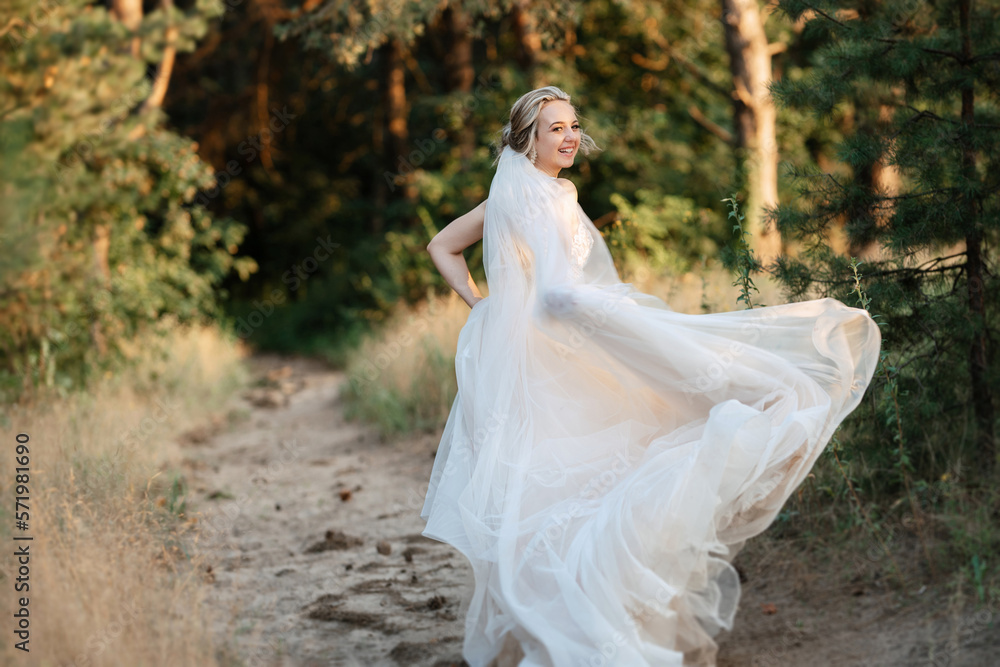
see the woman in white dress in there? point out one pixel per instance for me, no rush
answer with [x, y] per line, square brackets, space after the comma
[606, 457]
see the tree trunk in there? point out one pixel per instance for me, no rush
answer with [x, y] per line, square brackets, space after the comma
[397, 130]
[982, 398]
[129, 12]
[101, 245]
[885, 181]
[755, 119]
[391, 131]
[460, 72]
[528, 41]
[263, 91]
[166, 66]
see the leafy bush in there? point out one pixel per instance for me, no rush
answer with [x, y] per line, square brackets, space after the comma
[102, 236]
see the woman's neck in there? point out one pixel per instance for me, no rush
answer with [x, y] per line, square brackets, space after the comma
[549, 173]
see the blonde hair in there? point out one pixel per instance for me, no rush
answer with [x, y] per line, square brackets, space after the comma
[522, 129]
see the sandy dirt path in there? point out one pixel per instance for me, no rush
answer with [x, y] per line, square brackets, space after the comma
[273, 488]
[311, 532]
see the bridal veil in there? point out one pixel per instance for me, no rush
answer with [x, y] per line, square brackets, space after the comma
[605, 457]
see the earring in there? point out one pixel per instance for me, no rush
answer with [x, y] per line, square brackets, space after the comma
[533, 155]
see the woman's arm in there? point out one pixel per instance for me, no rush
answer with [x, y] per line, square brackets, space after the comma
[446, 252]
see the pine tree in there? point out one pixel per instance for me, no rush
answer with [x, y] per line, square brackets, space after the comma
[930, 71]
[100, 231]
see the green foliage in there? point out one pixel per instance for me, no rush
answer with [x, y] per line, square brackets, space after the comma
[896, 70]
[660, 234]
[915, 192]
[890, 409]
[744, 261]
[330, 166]
[177, 495]
[101, 234]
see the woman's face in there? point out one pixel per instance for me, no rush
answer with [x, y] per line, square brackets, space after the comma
[558, 137]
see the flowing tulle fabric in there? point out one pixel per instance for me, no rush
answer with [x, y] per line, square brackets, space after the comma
[606, 457]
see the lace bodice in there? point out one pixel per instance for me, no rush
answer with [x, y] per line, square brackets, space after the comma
[580, 250]
[580, 246]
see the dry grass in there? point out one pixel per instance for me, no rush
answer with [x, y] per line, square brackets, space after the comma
[110, 583]
[705, 291]
[403, 378]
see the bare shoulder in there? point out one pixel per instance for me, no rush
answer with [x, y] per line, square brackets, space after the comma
[568, 186]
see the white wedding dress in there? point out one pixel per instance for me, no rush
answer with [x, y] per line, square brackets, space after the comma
[606, 457]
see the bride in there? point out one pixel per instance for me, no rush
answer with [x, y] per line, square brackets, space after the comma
[606, 457]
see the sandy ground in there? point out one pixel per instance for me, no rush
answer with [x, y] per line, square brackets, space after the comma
[310, 531]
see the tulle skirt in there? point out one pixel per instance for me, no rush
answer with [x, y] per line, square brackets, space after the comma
[600, 468]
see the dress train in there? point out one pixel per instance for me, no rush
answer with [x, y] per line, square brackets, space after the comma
[606, 457]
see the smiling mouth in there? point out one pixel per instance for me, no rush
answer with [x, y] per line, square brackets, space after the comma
[567, 151]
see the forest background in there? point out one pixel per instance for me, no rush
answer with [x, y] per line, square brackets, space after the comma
[275, 169]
